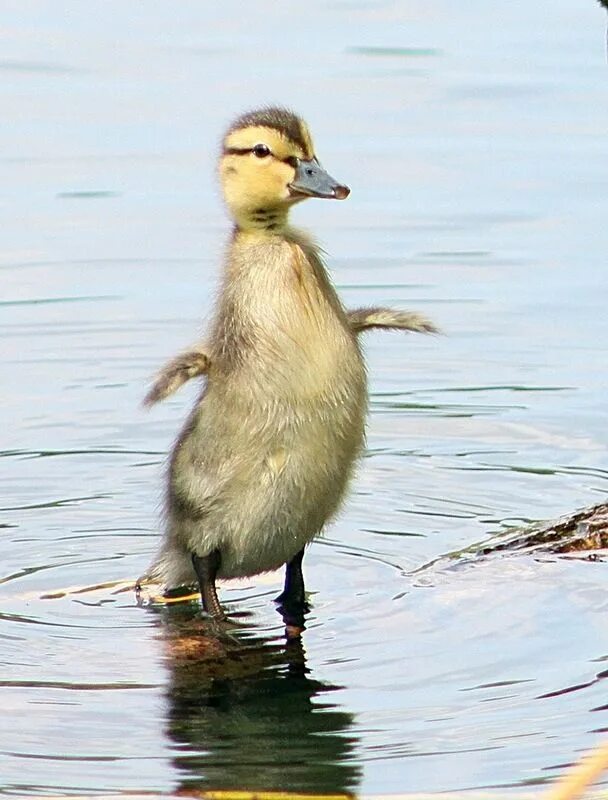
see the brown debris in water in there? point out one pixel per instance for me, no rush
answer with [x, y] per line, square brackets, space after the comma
[585, 530]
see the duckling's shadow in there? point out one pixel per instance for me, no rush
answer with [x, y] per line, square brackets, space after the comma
[245, 713]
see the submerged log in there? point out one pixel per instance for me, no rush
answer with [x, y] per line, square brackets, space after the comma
[584, 530]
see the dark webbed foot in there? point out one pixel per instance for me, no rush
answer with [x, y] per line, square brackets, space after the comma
[206, 568]
[292, 600]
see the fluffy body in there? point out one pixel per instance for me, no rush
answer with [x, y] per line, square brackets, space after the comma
[266, 455]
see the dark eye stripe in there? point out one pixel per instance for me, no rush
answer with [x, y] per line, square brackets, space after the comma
[293, 161]
[237, 151]
[243, 151]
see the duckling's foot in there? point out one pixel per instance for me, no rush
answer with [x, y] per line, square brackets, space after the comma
[292, 600]
[206, 568]
[293, 593]
[294, 619]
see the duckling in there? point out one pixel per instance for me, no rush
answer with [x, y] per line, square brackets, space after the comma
[267, 453]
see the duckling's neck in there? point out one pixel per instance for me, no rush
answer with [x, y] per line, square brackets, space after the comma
[270, 220]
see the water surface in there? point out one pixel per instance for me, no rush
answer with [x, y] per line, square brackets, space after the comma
[473, 139]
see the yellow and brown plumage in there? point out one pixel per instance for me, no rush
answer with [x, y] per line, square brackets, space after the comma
[265, 457]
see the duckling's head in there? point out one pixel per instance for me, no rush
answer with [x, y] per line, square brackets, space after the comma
[268, 164]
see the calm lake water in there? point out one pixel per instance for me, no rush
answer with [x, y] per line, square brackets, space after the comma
[473, 136]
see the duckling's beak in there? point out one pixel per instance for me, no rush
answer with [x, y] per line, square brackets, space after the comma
[311, 180]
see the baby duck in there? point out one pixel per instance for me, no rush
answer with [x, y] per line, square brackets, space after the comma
[266, 455]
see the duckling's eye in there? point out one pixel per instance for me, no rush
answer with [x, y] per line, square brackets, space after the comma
[261, 150]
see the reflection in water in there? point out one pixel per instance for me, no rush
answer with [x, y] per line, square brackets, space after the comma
[244, 712]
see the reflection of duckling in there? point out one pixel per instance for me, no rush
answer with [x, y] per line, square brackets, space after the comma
[267, 452]
[249, 701]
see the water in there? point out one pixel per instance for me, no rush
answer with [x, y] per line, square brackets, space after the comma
[473, 138]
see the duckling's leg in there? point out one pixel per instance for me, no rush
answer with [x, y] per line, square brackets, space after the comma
[206, 568]
[292, 599]
[363, 319]
[177, 372]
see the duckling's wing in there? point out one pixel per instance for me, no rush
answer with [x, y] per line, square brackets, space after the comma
[175, 373]
[363, 319]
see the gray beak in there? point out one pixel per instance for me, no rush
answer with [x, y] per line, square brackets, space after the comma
[312, 180]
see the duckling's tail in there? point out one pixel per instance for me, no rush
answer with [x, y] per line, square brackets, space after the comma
[171, 568]
[364, 319]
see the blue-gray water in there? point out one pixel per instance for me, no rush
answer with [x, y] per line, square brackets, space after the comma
[473, 136]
